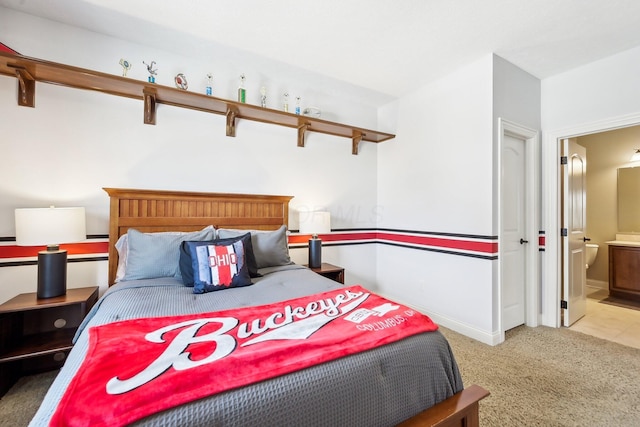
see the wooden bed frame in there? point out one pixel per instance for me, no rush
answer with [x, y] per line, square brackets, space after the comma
[156, 211]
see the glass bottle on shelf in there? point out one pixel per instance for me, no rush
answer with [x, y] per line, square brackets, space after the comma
[297, 105]
[285, 100]
[209, 88]
[242, 92]
[263, 97]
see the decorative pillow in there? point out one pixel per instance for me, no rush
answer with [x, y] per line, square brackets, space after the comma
[151, 255]
[186, 269]
[217, 265]
[271, 248]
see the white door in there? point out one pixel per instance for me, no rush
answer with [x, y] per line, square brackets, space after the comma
[513, 239]
[574, 223]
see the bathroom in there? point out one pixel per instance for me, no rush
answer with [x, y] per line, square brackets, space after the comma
[606, 152]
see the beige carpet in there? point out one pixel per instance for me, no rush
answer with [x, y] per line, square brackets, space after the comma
[19, 405]
[537, 377]
[552, 377]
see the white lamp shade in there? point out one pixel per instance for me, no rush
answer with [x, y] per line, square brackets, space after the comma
[315, 222]
[49, 226]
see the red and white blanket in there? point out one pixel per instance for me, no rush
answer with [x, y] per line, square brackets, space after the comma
[135, 368]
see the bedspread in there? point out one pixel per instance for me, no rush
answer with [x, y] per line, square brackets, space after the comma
[381, 387]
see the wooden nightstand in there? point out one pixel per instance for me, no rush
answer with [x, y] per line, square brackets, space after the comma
[330, 271]
[36, 334]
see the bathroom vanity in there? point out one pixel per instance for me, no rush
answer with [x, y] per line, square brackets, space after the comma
[624, 252]
[624, 269]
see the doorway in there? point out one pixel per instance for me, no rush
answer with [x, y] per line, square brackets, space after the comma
[609, 153]
[551, 221]
[518, 294]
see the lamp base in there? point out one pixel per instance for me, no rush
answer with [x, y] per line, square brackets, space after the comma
[315, 253]
[52, 273]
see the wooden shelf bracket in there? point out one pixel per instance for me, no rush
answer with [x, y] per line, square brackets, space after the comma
[26, 88]
[149, 106]
[302, 129]
[231, 122]
[355, 142]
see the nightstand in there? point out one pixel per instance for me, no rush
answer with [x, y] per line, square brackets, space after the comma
[36, 334]
[330, 271]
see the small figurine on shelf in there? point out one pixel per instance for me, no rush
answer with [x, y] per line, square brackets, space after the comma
[285, 99]
[297, 105]
[209, 88]
[152, 71]
[181, 81]
[242, 92]
[263, 97]
[126, 66]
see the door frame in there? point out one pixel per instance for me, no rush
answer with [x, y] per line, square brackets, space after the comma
[551, 181]
[532, 212]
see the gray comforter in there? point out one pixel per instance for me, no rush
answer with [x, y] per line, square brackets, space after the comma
[379, 387]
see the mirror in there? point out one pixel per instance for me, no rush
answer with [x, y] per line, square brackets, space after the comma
[628, 200]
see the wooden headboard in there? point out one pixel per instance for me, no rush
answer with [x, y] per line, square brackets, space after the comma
[155, 210]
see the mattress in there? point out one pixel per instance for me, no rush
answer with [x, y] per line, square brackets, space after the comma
[379, 387]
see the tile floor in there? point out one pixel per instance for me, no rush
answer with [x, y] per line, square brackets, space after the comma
[609, 322]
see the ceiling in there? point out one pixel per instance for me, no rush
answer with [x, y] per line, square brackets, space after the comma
[389, 46]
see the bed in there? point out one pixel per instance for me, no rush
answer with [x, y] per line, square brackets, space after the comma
[411, 382]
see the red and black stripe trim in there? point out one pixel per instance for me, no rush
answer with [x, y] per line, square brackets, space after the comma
[476, 246]
[469, 245]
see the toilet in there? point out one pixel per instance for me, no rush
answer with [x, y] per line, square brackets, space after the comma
[592, 252]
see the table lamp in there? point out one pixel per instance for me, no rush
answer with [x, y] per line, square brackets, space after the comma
[50, 226]
[315, 223]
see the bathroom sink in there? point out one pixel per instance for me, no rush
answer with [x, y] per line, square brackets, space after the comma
[625, 239]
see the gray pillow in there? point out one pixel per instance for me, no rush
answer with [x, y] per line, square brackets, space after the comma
[152, 255]
[271, 248]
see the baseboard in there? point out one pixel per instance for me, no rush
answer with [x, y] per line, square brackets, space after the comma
[490, 338]
[599, 284]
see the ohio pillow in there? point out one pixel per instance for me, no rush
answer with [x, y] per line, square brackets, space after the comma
[217, 266]
[186, 269]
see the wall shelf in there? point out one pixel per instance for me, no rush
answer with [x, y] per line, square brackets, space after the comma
[28, 71]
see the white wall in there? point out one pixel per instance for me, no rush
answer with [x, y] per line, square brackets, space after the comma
[438, 178]
[75, 142]
[605, 89]
[444, 137]
[516, 95]
[442, 176]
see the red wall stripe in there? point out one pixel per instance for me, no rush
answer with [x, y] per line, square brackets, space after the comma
[338, 237]
[14, 251]
[300, 238]
[479, 245]
[467, 245]
[5, 48]
[488, 247]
